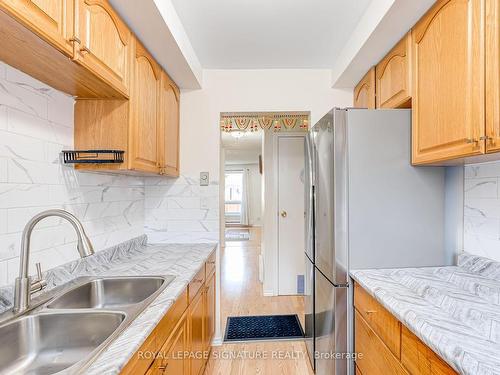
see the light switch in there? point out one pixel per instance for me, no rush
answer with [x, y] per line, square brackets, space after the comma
[204, 179]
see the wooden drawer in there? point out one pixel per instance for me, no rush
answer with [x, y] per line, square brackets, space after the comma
[210, 265]
[196, 283]
[376, 357]
[385, 325]
[418, 358]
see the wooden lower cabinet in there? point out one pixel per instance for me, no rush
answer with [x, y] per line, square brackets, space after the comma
[377, 358]
[210, 312]
[180, 343]
[418, 358]
[171, 358]
[389, 348]
[197, 333]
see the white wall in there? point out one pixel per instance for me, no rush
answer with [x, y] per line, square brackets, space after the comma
[36, 123]
[482, 209]
[254, 192]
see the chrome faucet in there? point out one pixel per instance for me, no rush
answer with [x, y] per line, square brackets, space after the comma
[24, 287]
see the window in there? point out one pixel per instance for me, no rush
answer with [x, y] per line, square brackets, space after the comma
[233, 196]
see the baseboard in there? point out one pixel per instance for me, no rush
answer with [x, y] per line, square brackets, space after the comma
[268, 293]
[217, 341]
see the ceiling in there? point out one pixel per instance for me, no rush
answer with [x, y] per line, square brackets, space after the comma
[263, 34]
[243, 150]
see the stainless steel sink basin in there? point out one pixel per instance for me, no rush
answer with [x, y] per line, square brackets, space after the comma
[47, 343]
[66, 328]
[108, 293]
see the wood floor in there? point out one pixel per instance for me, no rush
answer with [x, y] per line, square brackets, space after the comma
[241, 294]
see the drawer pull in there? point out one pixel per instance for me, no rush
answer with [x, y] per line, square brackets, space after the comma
[163, 368]
[197, 280]
[212, 262]
[370, 312]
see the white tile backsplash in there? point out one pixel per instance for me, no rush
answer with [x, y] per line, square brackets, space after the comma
[36, 123]
[482, 209]
[179, 210]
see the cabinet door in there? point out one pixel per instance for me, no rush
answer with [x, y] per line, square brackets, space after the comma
[197, 332]
[364, 92]
[492, 75]
[393, 74]
[210, 312]
[104, 43]
[50, 19]
[144, 105]
[169, 127]
[448, 82]
[171, 359]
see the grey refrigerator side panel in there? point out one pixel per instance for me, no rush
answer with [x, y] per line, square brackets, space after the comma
[396, 211]
[340, 197]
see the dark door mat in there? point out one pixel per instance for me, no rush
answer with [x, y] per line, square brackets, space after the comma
[264, 327]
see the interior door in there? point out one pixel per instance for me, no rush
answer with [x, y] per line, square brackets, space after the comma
[291, 264]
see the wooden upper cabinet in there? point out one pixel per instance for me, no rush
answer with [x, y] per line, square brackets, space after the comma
[169, 127]
[448, 82]
[103, 42]
[50, 19]
[493, 75]
[364, 92]
[144, 112]
[393, 76]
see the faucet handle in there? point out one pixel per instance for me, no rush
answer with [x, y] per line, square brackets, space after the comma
[38, 270]
[39, 284]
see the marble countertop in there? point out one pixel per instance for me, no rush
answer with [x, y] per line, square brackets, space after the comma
[135, 257]
[454, 310]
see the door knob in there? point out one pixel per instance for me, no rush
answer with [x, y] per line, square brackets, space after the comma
[283, 213]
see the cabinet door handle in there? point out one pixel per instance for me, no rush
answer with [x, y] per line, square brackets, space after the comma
[471, 140]
[84, 50]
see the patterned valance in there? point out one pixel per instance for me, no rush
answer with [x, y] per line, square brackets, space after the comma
[274, 121]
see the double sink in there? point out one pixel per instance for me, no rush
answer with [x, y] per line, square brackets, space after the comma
[67, 327]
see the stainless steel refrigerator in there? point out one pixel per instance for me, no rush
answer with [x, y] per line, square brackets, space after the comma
[366, 207]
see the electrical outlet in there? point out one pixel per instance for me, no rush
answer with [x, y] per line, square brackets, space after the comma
[204, 179]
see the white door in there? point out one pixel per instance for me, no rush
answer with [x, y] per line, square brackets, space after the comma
[291, 267]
